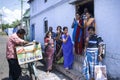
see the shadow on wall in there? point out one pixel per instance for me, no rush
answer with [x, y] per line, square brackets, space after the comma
[111, 78]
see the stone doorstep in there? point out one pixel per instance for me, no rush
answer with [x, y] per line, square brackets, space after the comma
[73, 74]
[79, 58]
[77, 66]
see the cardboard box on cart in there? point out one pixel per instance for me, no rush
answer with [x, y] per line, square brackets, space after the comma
[29, 53]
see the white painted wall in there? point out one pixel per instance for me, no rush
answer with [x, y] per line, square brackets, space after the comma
[107, 13]
[61, 14]
[40, 5]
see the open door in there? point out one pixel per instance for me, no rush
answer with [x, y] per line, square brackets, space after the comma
[81, 5]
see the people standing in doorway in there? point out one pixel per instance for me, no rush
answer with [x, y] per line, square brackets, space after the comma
[58, 52]
[11, 55]
[93, 50]
[90, 21]
[67, 48]
[83, 16]
[78, 35]
[49, 50]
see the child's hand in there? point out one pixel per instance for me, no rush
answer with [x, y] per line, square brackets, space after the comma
[52, 45]
[67, 34]
[99, 58]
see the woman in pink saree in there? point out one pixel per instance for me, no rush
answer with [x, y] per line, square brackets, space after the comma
[49, 50]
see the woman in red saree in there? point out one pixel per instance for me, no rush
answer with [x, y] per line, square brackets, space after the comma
[49, 50]
[78, 35]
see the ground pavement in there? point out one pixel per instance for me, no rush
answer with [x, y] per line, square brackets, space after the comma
[54, 75]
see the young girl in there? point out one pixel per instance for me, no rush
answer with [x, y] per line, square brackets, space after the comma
[49, 50]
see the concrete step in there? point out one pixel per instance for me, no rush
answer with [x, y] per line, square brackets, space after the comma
[79, 58]
[73, 74]
[77, 66]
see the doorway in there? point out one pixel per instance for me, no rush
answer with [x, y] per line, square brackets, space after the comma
[89, 4]
[32, 32]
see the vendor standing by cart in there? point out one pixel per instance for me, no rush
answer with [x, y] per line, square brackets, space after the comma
[13, 41]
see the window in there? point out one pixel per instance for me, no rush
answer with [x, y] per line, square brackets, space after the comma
[45, 1]
[46, 26]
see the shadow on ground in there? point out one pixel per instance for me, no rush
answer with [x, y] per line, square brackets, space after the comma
[26, 77]
[5, 79]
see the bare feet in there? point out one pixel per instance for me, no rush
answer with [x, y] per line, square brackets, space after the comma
[47, 72]
[67, 68]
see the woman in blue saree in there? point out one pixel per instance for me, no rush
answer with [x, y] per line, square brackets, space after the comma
[67, 48]
[78, 35]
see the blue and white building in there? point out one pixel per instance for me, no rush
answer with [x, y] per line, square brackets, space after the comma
[45, 13]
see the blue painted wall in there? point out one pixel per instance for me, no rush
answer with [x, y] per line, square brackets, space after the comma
[107, 15]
